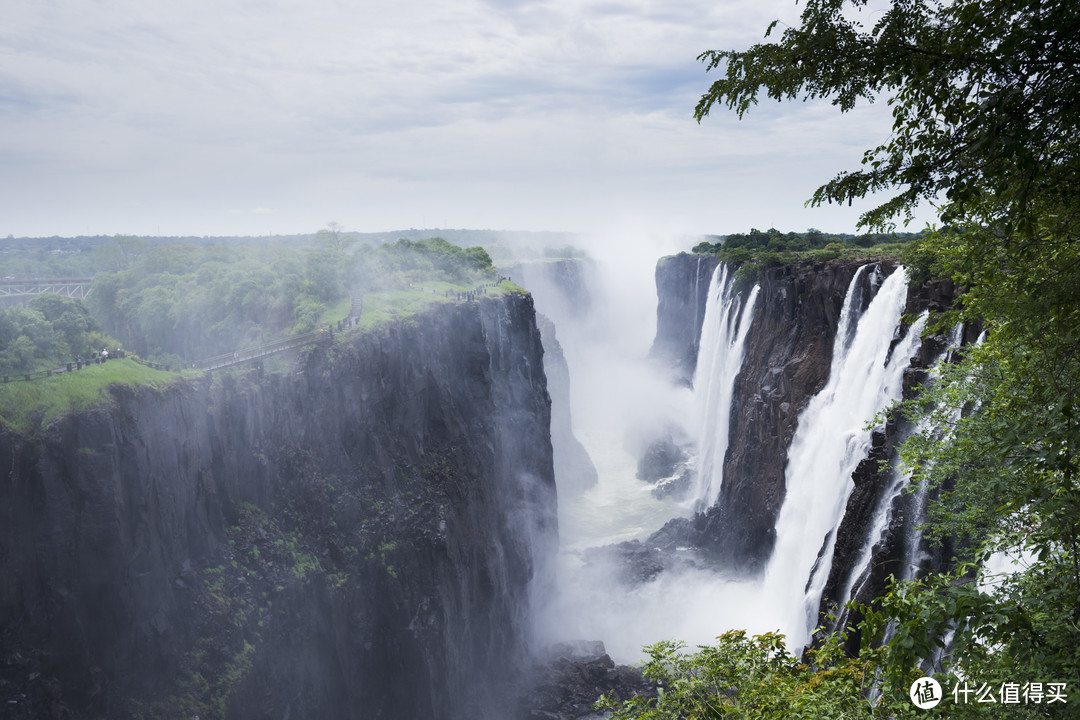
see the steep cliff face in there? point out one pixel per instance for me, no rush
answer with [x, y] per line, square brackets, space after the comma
[359, 539]
[561, 289]
[682, 288]
[879, 535]
[787, 355]
[788, 352]
[574, 468]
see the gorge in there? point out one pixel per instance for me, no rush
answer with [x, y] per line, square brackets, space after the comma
[377, 533]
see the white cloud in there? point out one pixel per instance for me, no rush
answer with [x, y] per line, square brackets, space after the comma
[521, 114]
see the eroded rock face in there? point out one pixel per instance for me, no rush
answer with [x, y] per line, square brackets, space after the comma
[874, 478]
[787, 361]
[359, 539]
[562, 291]
[572, 676]
[574, 469]
[788, 351]
[788, 354]
[682, 289]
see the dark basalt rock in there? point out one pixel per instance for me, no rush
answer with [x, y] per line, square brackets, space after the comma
[574, 469]
[661, 459]
[572, 679]
[682, 289]
[355, 540]
[787, 357]
[675, 486]
[629, 563]
[788, 353]
[872, 479]
[665, 462]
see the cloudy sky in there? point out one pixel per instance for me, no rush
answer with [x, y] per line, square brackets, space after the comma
[279, 116]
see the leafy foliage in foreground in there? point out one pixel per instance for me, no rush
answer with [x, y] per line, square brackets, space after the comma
[986, 126]
[755, 678]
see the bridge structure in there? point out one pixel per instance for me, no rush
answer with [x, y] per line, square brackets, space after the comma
[243, 355]
[23, 288]
[257, 352]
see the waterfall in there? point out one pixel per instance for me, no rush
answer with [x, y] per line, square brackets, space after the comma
[914, 553]
[831, 439]
[720, 355]
[914, 556]
[882, 521]
[696, 295]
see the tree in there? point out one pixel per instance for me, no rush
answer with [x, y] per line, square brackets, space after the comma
[985, 98]
[121, 251]
[756, 678]
[334, 236]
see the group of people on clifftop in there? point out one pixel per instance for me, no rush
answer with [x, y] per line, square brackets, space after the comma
[481, 289]
[96, 357]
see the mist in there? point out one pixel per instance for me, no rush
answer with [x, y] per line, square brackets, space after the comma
[621, 400]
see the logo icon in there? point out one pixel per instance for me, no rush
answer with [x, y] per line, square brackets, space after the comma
[925, 693]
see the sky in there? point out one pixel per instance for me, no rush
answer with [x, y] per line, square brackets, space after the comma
[254, 117]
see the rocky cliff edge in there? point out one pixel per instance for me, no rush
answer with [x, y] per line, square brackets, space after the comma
[358, 539]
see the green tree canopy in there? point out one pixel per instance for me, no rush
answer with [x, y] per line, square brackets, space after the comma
[47, 333]
[985, 98]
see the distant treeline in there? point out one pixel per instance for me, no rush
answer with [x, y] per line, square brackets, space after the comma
[755, 250]
[55, 256]
[180, 301]
[772, 240]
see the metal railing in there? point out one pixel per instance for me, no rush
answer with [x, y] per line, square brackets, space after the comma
[76, 365]
[255, 352]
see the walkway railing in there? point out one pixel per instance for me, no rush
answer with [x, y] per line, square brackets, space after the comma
[213, 363]
[78, 365]
[260, 351]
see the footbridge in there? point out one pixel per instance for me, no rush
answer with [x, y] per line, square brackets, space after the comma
[23, 288]
[257, 352]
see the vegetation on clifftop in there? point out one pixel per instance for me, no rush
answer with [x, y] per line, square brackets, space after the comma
[181, 302]
[28, 405]
[986, 128]
[754, 251]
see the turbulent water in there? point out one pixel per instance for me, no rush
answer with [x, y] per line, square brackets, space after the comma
[691, 602]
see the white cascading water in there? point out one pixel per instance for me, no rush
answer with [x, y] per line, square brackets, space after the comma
[720, 356]
[695, 603]
[915, 555]
[830, 441]
[883, 515]
[697, 286]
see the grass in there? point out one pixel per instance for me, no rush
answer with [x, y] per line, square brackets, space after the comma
[38, 403]
[25, 406]
[381, 308]
[335, 312]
